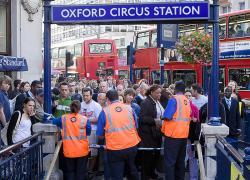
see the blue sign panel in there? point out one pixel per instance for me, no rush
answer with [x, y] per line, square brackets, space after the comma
[9, 63]
[235, 50]
[147, 12]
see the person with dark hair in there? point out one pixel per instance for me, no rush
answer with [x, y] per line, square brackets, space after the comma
[15, 92]
[31, 93]
[75, 129]
[194, 132]
[129, 95]
[175, 129]
[117, 123]
[5, 82]
[20, 125]
[39, 100]
[91, 110]
[232, 116]
[150, 131]
[62, 102]
[165, 96]
[198, 99]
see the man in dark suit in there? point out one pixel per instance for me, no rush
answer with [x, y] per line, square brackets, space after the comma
[232, 119]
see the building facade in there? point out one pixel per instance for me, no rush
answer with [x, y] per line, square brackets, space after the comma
[227, 6]
[21, 35]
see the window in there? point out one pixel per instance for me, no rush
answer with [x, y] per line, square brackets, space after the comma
[222, 28]
[241, 76]
[78, 49]
[142, 40]
[226, 9]
[62, 52]
[242, 5]
[96, 48]
[154, 39]
[187, 76]
[54, 53]
[108, 28]
[239, 26]
[3, 28]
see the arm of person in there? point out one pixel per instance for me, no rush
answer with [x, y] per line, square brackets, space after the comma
[2, 116]
[101, 125]
[57, 122]
[11, 127]
[170, 109]
[135, 119]
[88, 128]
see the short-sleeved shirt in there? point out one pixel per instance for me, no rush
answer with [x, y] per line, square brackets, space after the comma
[102, 123]
[91, 111]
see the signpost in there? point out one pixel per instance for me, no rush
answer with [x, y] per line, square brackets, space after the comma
[143, 13]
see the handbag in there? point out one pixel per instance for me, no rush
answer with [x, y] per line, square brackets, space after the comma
[5, 129]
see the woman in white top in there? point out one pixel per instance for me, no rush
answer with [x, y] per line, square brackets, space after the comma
[20, 125]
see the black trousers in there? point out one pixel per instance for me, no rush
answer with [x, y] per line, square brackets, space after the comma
[119, 159]
[150, 160]
[75, 168]
[174, 157]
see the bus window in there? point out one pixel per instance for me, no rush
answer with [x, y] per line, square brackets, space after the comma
[239, 26]
[155, 75]
[188, 76]
[222, 28]
[123, 74]
[98, 48]
[186, 29]
[142, 40]
[241, 76]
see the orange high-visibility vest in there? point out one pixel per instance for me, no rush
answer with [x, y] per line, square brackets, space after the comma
[74, 137]
[120, 129]
[178, 127]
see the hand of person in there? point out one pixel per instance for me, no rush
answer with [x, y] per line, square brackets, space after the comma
[158, 123]
[56, 103]
[32, 113]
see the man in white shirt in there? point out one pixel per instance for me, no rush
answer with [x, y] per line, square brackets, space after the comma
[91, 110]
[198, 99]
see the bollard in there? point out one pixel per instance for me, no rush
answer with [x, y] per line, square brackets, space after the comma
[246, 164]
[50, 136]
[210, 133]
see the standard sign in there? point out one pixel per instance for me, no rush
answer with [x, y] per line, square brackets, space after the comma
[129, 12]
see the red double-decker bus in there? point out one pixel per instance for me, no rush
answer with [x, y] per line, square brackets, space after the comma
[234, 55]
[99, 58]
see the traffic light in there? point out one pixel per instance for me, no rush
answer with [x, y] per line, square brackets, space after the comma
[69, 59]
[130, 54]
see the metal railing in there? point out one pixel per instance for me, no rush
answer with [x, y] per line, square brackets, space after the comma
[18, 162]
[230, 162]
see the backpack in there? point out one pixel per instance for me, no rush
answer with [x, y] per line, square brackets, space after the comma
[5, 129]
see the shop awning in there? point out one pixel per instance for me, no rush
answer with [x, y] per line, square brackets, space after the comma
[10, 63]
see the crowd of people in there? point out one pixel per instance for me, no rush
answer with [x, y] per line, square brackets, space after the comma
[122, 117]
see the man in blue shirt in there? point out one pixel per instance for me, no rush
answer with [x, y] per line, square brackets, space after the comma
[5, 82]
